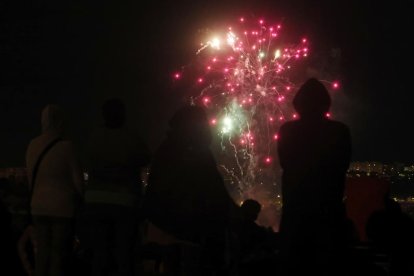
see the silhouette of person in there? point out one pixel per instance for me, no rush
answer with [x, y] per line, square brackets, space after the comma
[254, 237]
[257, 244]
[56, 191]
[186, 195]
[113, 195]
[391, 229]
[314, 154]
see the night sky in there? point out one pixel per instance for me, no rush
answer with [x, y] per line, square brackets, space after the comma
[78, 53]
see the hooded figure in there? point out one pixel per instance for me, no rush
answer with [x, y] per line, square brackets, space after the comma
[186, 196]
[314, 154]
[59, 178]
[55, 192]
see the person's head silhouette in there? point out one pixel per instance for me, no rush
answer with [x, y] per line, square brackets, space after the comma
[113, 111]
[312, 100]
[190, 126]
[250, 209]
[52, 119]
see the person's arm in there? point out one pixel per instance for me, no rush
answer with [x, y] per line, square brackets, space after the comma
[26, 237]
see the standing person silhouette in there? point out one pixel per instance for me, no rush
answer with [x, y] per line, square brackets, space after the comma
[314, 154]
[56, 182]
[114, 192]
[186, 195]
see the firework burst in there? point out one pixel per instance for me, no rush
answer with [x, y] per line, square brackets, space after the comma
[244, 81]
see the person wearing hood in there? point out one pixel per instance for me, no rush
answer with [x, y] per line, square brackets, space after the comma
[186, 196]
[56, 183]
[314, 153]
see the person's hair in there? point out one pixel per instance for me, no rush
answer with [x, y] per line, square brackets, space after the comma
[113, 112]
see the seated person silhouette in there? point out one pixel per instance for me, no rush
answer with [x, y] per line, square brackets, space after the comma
[257, 245]
[253, 237]
[391, 230]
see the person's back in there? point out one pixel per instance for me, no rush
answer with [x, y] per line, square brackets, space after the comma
[186, 196]
[314, 154]
[114, 193]
[59, 177]
[115, 159]
[184, 183]
[187, 192]
[55, 192]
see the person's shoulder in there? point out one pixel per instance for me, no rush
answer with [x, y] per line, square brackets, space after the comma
[339, 126]
[126, 134]
[32, 143]
[37, 142]
[288, 127]
[66, 144]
